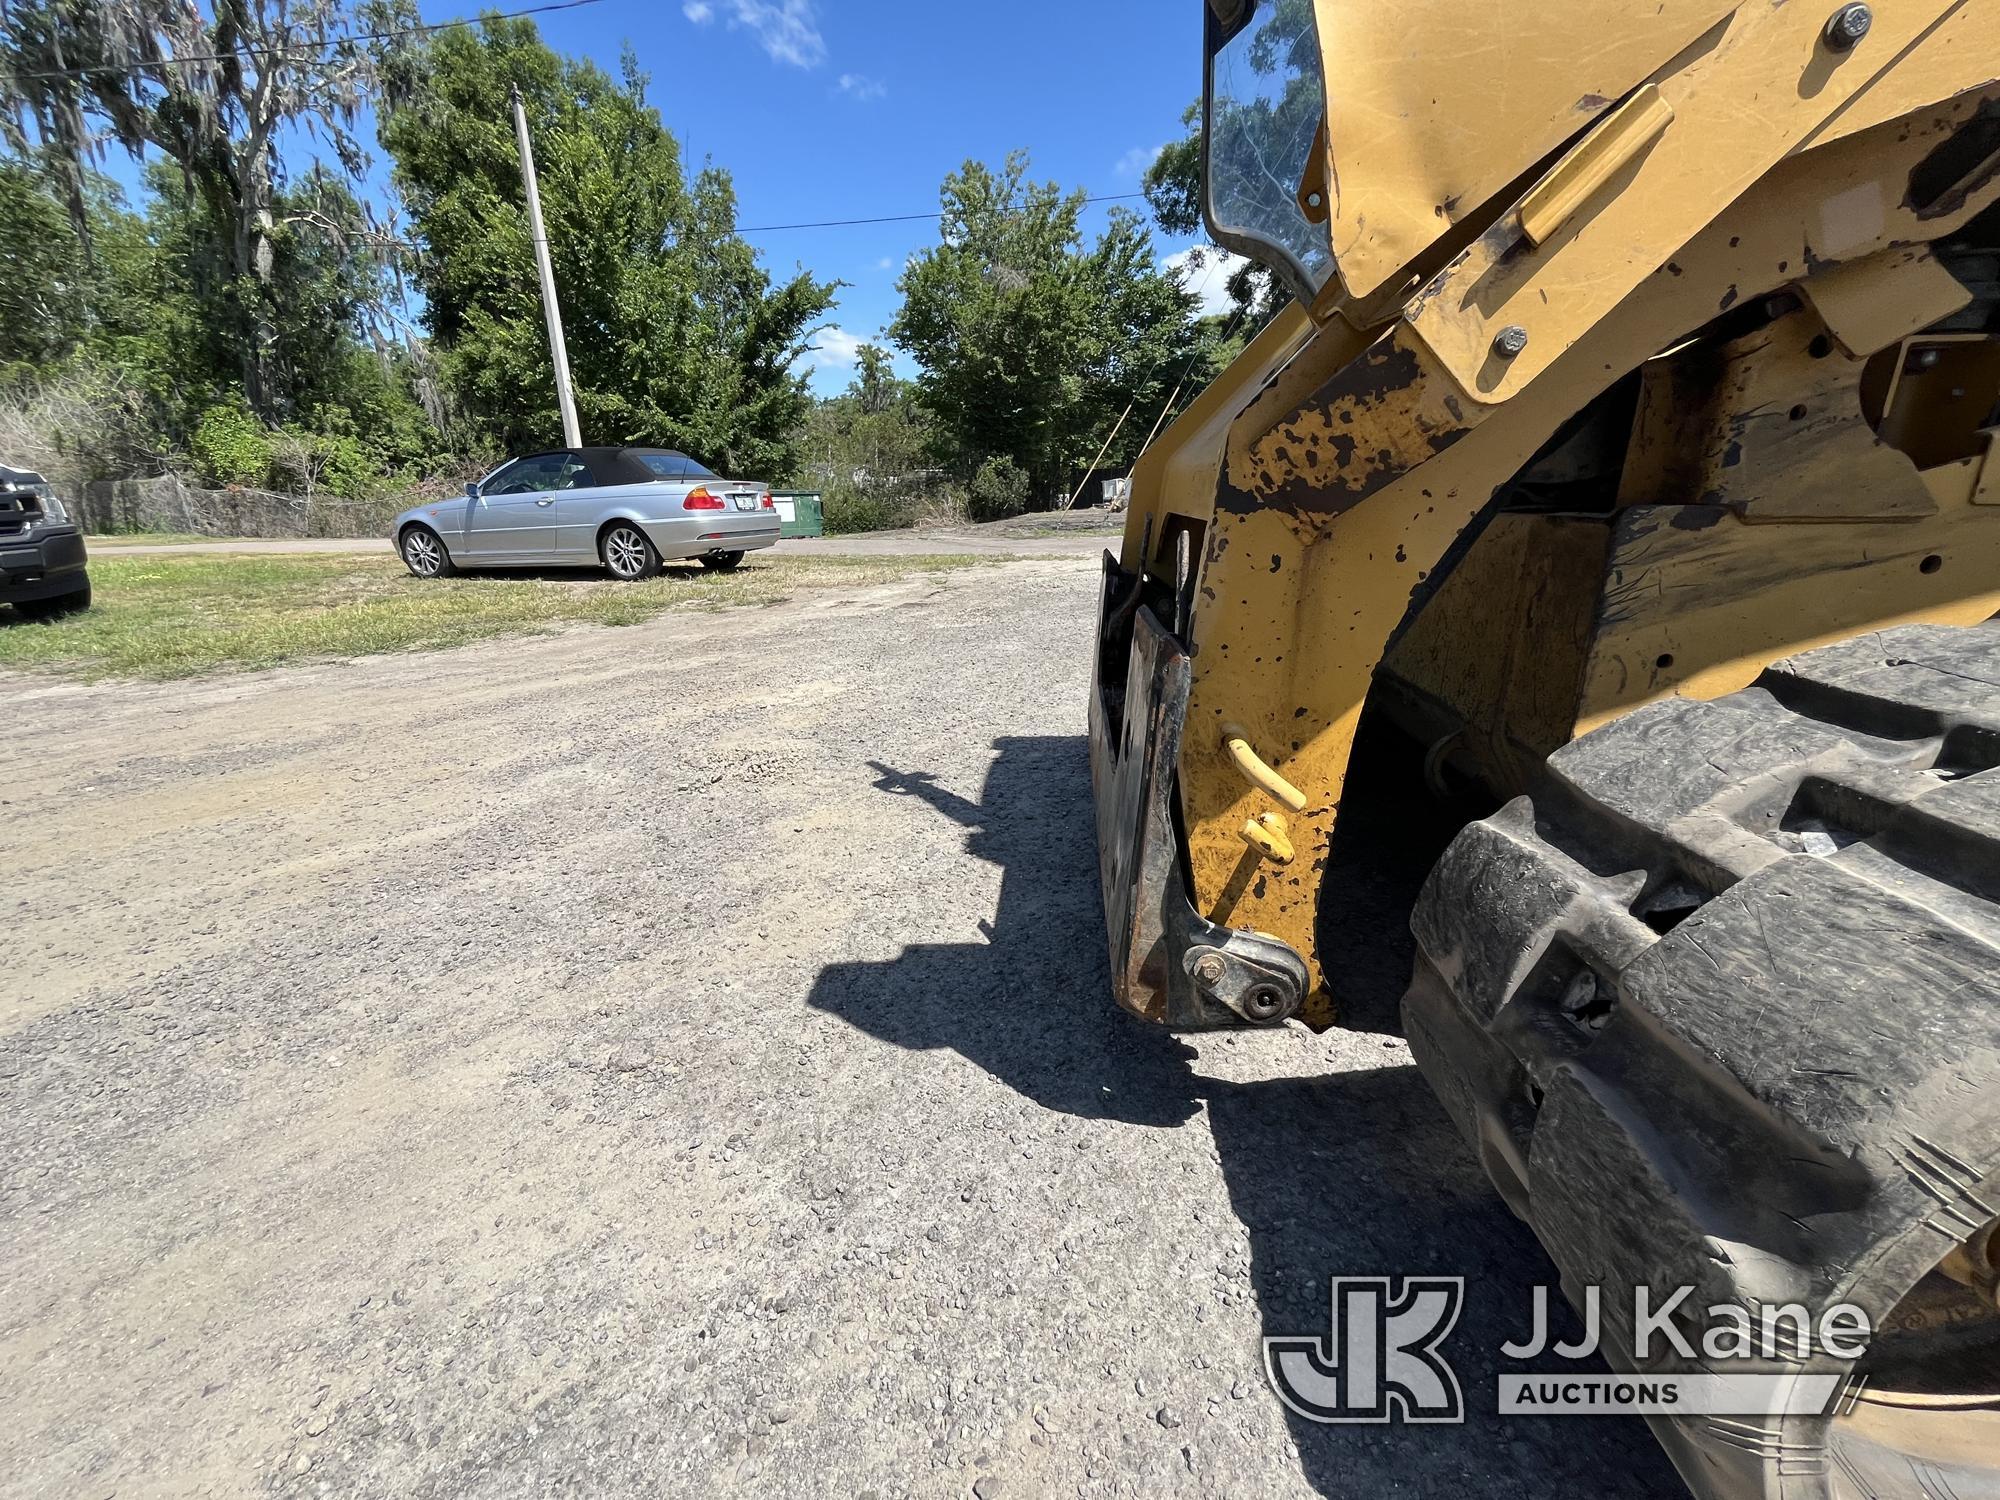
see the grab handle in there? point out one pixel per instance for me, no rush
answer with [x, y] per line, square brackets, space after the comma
[1255, 771]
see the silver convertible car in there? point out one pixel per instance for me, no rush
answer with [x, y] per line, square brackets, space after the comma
[625, 509]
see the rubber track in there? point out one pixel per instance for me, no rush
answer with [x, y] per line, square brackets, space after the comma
[1719, 1006]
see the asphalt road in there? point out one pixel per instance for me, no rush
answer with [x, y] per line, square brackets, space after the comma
[673, 1061]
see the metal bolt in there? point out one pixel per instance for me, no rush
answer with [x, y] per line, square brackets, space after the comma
[1510, 341]
[1847, 26]
[1208, 968]
[1264, 1003]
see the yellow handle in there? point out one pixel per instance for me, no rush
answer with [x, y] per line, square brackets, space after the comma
[1237, 742]
[1266, 834]
[1609, 147]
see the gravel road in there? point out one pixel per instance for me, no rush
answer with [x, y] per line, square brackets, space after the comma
[673, 1061]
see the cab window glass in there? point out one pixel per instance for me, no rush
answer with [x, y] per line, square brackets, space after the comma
[1266, 97]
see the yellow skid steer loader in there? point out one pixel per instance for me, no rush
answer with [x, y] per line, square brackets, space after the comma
[1624, 473]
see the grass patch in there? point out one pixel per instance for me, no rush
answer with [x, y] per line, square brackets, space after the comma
[185, 615]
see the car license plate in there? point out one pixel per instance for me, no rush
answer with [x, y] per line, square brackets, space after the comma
[746, 502]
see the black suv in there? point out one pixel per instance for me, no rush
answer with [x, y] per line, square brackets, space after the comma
[41, 549]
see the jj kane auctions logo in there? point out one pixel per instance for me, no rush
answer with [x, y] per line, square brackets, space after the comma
[1382, 1358]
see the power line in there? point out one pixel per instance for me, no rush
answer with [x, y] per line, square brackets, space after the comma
[903, 218]
[280, 51]
[837, 223]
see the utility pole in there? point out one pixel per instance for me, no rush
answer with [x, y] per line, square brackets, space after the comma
[572, 435]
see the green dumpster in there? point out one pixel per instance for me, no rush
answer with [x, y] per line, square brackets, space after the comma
[803, 512]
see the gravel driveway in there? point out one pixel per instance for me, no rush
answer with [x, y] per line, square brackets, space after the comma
[672, 1061]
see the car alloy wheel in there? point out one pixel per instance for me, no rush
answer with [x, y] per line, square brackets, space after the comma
[627, 553]
[423, 554]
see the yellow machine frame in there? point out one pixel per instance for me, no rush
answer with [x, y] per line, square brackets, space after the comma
[1504, 255]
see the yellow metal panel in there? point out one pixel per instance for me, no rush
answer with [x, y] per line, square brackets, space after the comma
[1434, 106]
[1495, 661]
[1700, 610]
[1949, 58]
[1771, 425]
[1872, 303]
[1177, 475]
[1310, 569]
[1765, 85]
[1987, 490]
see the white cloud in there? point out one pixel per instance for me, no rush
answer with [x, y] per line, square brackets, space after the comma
[1133, 163]
[698, 11]
[835, 348]
[861, 88]
[886, 263]
[1205, 271]
[788, 30]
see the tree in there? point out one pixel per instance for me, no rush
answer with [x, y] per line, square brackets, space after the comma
[45, 296]
[1030, 343]
[86, 73]
[875, 384]
[677, 336]
[1173, 189]
[1173, 182]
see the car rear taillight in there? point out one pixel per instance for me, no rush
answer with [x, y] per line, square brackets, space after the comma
[768, 502]
[699, 498]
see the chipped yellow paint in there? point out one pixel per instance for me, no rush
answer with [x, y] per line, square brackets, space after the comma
[1176, 476]
[1308, 569]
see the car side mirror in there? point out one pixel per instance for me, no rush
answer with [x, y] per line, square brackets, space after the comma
[472, 489]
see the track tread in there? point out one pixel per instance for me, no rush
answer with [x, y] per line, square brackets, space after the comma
[1783, 907]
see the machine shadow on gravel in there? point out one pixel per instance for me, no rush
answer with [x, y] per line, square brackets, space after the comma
[1028, 1005]
[1353, 1174]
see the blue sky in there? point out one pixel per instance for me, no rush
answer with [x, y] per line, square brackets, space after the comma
[842, 109]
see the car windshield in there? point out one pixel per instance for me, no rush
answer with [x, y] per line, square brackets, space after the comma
[1265, 102]
[674, 465]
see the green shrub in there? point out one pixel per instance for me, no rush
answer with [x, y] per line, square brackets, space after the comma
[849, 511]
[231, 446]
[999, 490]
[351, 472]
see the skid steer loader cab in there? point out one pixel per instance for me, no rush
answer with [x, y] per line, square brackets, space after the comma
[1625, 464]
